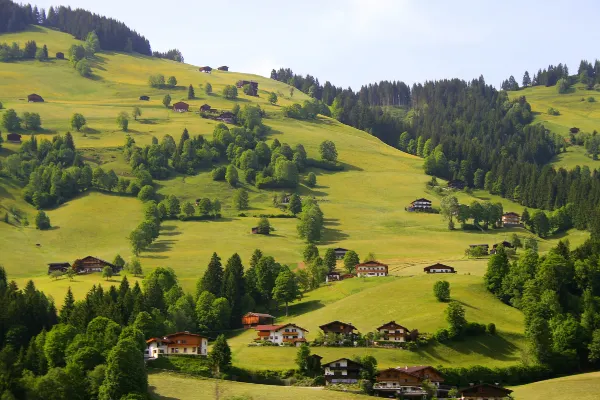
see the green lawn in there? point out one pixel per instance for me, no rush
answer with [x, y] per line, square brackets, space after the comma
[580, 387]
[171, 386]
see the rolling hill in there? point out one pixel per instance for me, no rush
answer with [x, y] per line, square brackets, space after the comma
[581, 387]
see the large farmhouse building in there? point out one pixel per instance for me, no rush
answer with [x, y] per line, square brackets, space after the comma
[177, 343]
[91, 264]
[339, 328]
[439, 269]
[406, 382]
[342, 371]
[280, 334]
[511, 219]
[394, 332]
[371, 268]
[421, 204]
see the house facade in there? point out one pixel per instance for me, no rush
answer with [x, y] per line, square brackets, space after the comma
[339, 328]
[439, 269]
[281, 334]
[333, 277]
[340, 253]
[394, 332]
[181, 107]
[484, 391]
[91, 264]
[252, 319]
[511, 219]
[406, 381]
[59, 266]
[371, 268]
[176, 344]
[420, 205]
[342, 371]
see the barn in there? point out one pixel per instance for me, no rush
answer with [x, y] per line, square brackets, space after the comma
[145, 98]
[206, 70]
[13, 138]
[223, 68]
[205, 108]
[35, 98]
[181, 107]
[60, 55]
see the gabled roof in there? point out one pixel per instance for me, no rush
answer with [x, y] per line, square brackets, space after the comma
[349, 361]
[371, 264]
[511, 213]
[413, 371]
[422, 199]
[276, 327]
[58, 264]
[97, 259]
[180, 103]
[438, 265]
[167, 339]
[339, 323]
[394, 323]
[253, 314]
[488, 385]
[340, 249]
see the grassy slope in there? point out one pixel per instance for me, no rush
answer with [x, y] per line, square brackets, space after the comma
[573, 113]
[169, 386]
[409, 300]
[580, 387]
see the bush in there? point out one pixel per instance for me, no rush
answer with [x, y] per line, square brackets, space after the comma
[311, 180]
[441, 290]
[218, 174]
[323, 164]
[42, 221]
[442, 335]
[491, 328]
[230, 92]
[553, 111]
[474, 329]
[146, 193]
[591, 99]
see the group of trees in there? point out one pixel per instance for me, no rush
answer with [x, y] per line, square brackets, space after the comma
[173, 54]
[560, 297]
[307, 110]
[28, 121]
[158, 81]
[79, 55]
[14, 52]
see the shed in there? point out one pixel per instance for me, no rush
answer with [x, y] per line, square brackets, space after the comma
[181, 107]
[223, 68]
[255, 230]
[145, 98]
[60, 55]
[340, 252]
[206, 69]
[251, 319]
[59, 266]
[35, 98]
[13, 138]
[205, 108]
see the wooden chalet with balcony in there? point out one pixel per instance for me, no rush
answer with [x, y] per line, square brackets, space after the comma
[340, 253]
[281, 334]
[91, 264]
[59, 266]
[407, 382]
[394, 332]
[371, 268]
[252, 319]
[511, 219]
[338, 328]
[421, 204]
[484, 391]
[438, 268]
[342, 371]
[177, 344]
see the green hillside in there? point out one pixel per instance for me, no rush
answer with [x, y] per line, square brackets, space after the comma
[575, 111]
[580, 387]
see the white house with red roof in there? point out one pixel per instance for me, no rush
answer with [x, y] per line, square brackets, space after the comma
[175, 344]
[281, 334]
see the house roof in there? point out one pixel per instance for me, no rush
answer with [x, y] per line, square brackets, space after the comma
[489, 385]
[253, 314]
[276, 327]
[410, 370]
[511, 213]
[394, 323]
[316, 356]
[180, 103]
[371, 264]
[167, 339]
[98, 259]
[339, 323]
[438, 265]
[422, 199]
[340, 249]
[349, 361]
[58, 264]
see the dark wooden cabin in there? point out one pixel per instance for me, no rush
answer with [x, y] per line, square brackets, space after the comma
[223, 68]
[254, 319]
[13, 138]
[145, 98]
[60, 266]
[206, 70]
[60, 55]
[35, 98]
[205, 108]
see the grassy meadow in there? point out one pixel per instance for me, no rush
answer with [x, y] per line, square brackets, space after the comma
[170, 386]
[575, 111]
[580, 387]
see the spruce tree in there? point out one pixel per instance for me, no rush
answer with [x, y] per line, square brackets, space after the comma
[256, 256]
[220, 355]
[191, 94]
[295, 205]
[212, 281]
[68, 307]
[234, 288]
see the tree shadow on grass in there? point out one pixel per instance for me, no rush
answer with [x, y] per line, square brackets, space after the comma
[160, 246]
[298, 309]
[490, 346]
[332, 235]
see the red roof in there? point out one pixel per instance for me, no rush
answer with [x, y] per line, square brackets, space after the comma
[253, 314]
[167, 340]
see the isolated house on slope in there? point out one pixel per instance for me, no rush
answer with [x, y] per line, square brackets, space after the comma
[177, 344]
[371, 268]
[251, 319]
[280, 334]
[35, 98]
[439, 269]
[181, 107]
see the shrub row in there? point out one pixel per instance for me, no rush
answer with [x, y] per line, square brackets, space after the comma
[510, 376]
[326, 165]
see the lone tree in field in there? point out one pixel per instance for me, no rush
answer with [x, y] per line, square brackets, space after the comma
[328, 151]
[137, 112]
[286, 288]
[295, 205]
[329, 259]
[264, 227]
[441, 290]
[135, 267]
[455, 315]
[166, 100]
[231, 175]
[272, 98]
[230, 92]
[448, 208]
[311, 180]
[118, 261]
[188, 209]
[77, 121]
[240, 199]
[220, 355]
[42, 221]
[350, 261]
[123, 121]
[208, 88]
[107, 272]
[191, 93]
[172, 81]
[302, 357]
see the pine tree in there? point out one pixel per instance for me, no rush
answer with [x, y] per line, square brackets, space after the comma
[191, 93]
[256, 256]
[330, 259]
[68, 307]
[234, 288]
[212, 281]
[220, 355]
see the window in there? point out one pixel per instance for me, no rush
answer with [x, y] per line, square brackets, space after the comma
[338, 364]
[185, 349]
[193, 350]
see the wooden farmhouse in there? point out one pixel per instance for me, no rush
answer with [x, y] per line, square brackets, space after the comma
[333, 277]
[280, 334]
[457, 184]
[35, 98]
[252, 319]
[342, 371]
[181, 107]
[145, 98]
[340, 252]
[407, 382]
[338, 328]
[393, 332]
[60, 55]
[223, 68]
[205, 108]
[255, 230]
[371, 268]
[13, 138]
[175, 344]
[421, 204]
[511, 219]
[253, 86]
[439, 269]
[505, 244]
[227, 117]
[59, 266]
[484, 391]
[206, 70]
[91, 264]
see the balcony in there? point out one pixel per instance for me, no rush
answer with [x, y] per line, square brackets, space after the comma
[411, 390]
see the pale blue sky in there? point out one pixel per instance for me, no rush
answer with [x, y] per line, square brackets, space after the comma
[354, 42]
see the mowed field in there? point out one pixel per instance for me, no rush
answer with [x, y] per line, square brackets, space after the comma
[580, 387]
[169, 386]
[408, 300]
[575, 111]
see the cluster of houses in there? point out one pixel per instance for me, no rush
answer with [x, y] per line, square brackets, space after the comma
[84, 265]
[486, 247]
